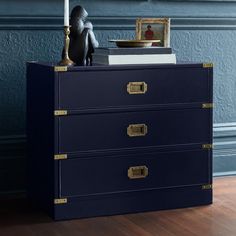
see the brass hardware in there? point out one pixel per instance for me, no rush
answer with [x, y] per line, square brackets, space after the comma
[136, 130]
[60, 201]
[207, 146]
[60, 68]
[206, 186]
[137, 88]
[60, 156]
[60, 112]
[207, 105]
[66, 61]
[208, 65]
[137, 172]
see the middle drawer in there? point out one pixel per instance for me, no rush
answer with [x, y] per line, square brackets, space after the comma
[89, 132]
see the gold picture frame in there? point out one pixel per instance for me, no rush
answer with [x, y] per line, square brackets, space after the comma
[154, 28]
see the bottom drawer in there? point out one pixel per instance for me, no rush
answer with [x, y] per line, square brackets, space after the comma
[132, 202]
[85, 176]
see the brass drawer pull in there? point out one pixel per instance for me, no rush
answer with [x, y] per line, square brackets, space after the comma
[137, 172]
[137, 88]
[136, 130]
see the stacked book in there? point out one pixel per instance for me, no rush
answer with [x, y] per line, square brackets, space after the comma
[124, 56]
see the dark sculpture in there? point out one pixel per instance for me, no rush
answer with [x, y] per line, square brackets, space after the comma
[82, 38]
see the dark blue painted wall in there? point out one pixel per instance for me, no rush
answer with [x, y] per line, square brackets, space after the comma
[32, 30]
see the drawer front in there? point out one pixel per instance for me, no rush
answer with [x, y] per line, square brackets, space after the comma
[98, 89]
[131, 173]
[134, 129]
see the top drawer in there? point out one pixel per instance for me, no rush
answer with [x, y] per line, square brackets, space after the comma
[117, 88]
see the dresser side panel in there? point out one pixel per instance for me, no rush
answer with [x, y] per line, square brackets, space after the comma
[40, 135]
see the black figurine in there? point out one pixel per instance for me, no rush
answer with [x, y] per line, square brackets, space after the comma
[82, 38]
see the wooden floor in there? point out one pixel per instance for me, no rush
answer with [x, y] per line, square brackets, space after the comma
[17, 219]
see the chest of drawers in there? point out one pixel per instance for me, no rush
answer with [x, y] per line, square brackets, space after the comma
[107, 140]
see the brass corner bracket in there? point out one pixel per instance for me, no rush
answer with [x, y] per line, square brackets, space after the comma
[60, 156]
[60, 68]
[60, 112]
[207, 105]
[206, 186]
[60, 201]
[208, 65]
[207, 146]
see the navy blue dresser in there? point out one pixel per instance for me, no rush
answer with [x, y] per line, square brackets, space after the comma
[107, 140]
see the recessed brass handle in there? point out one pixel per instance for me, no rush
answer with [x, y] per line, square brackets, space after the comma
[137, 88]
[136, 130]
[137, 172]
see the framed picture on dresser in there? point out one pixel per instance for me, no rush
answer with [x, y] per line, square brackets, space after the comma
[154, 28]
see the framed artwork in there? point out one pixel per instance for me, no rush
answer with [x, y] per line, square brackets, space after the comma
[154, 28]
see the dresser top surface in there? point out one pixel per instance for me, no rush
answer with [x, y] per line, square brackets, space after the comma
[123, 67]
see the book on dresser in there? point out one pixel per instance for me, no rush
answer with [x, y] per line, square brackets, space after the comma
[118, 139]
[132, 50]
[123, 56]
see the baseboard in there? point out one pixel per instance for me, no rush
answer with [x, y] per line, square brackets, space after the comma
[12, 165]
[13, 158]
[224, 152]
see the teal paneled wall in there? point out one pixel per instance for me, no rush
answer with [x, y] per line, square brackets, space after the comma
[216, 46]
[32, 30]
[17, 47]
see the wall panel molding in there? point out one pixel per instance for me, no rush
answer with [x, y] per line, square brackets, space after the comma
[111, 23]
